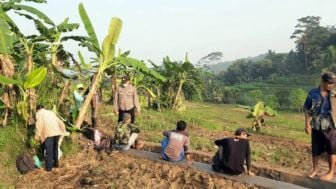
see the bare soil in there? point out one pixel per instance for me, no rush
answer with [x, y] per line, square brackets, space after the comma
[90, 169]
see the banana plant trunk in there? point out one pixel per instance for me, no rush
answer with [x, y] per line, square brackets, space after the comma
[85, 106]
[113, 86]
[64, 92]
[178, 94]
[31, 92]
[7, 69]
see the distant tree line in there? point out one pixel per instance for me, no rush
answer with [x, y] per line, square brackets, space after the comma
[281, 80]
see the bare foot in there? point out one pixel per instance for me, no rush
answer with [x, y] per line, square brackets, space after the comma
[313, 174]
[328, 176]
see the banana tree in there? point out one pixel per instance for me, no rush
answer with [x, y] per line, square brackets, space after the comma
[25, 84]
[258, 112]
[143, 78]
[26, 44]
[6, 68]
[178, 75]
[105, 55]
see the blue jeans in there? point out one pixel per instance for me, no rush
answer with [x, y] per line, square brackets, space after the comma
[164, 144]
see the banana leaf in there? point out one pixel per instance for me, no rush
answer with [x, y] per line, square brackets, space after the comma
[258, 109]
[269, 111]
[35, 77]
[38, 24]
[34, 11]
[108, 48]
[22, 109]
[88, 26]
[66, 27]
[6, 38]
[8, 81]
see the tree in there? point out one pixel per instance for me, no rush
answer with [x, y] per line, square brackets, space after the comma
[105, 55]
[309, 38]
[297, 98]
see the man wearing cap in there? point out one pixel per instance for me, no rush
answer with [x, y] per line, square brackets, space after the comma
[320, 114]
[126, 100]
[232, 153]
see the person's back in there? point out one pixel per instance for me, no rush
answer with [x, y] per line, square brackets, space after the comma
[177, 142]
[175, 145]
[48, 124]
[232, 154]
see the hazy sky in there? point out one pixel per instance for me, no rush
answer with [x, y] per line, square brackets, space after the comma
[153, 29]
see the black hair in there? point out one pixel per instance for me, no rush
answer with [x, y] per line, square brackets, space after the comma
[126, 78]
[38, 107]
[181, 125]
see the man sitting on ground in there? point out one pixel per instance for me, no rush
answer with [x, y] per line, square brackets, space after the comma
[126, 133]
[232, 153]
[176, 144]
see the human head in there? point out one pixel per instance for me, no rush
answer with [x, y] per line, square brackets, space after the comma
[328, 80]
[127, 118]
[181, 125]
[38, 107]
[126, 79]
[241, 132]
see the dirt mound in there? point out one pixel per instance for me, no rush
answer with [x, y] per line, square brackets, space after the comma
[89, 169]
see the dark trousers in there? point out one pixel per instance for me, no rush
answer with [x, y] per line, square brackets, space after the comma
[121, 113]
[51, 149]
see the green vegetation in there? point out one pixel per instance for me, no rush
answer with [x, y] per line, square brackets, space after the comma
[33, 70]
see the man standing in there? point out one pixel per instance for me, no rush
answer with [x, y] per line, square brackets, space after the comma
[49, 128]
[79, 96]
[126, 100]
[232, 153]
[320, 114]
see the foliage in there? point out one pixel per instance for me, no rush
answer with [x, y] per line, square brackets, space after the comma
[258, 112]
[297, 98]
[32, 80]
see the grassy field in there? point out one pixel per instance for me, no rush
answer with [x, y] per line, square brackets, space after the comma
[222, 117]
[207, 122]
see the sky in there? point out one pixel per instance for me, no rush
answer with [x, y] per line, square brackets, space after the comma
[153, 29]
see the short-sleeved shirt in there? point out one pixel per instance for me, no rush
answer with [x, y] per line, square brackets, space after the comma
[125, 98]
[317, 105]
[177, 141]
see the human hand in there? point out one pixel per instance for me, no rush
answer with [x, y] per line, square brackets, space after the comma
[189, 161]
[308, 129]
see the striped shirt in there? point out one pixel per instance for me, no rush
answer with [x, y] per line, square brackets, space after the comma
[48, 125]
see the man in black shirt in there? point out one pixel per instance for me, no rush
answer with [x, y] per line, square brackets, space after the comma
[231, 154]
